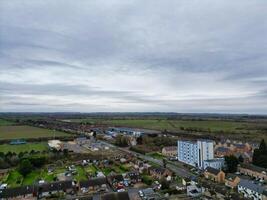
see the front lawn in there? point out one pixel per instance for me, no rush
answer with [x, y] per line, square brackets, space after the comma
[81, 174]
[14, 179]
[31, 178]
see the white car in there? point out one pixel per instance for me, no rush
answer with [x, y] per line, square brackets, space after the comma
[3, 186]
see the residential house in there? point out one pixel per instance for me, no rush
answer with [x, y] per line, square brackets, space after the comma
[216, 163]
[19, 192]
[170, 151]
[252, 171]
[194, 191]
[242, 148]
[94, 185]
[252, 190]
[46, 189]
[223, 151]
[232, 180]
[214, 174]
[116, 181]
[115, 196]
[134, 177]
[149, 193]
[159, 172]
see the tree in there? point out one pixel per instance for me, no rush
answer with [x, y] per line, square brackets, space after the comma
[139, 140]
[25, 167]
[121, 141]
[260, 155]
[37, 161]
[231, 163]
[164, 162]
[164, 184]
[240, 159]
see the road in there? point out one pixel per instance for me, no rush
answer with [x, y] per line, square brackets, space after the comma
[173, 166]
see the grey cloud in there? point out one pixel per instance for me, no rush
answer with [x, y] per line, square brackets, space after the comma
[143, 54]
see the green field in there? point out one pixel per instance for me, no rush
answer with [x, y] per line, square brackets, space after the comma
[5, 123]
[171, 125]
[41, 146]
[252, 130]
[16, 132]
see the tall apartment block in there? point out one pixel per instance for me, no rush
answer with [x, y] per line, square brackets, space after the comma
[198, 153]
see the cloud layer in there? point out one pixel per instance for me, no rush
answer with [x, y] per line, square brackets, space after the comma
[178, 56]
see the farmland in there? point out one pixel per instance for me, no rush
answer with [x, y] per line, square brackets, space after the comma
[14, 132]
[5, 122]
[41, 146]
[246, 130]
[174, 125]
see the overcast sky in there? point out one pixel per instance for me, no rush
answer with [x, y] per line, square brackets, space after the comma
[169, 56]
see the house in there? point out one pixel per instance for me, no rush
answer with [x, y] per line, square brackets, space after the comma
[19, 192]
[116, 181]
[82, 140]
[252, 190]
[149, 193]
[94, 185]
[170, 151]
[55, 144]
[214, 174]
[252, 171]
[194, 191]
[232, 180]
[115, 196]
[223, 151]
[216, 163]
[45, 190]
[159, 172]
[134, 177]
[242, 148]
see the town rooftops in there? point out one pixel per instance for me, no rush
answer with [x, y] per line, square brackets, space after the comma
[252, 186]
[252, 167]
[55, 186]
[223, 149]
[230, 177]
[116, 177]
[240, 146]
[93, 182]
[14, 192]
[212, 171]
[115, 196]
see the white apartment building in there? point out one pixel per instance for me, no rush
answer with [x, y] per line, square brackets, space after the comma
[198, 153]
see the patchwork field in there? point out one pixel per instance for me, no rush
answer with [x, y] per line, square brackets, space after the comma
[16, 132]
[174, 125]
[41, 146]
[5, 123]
[255, 130]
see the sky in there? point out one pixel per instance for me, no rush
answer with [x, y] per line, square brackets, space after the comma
[133, 56]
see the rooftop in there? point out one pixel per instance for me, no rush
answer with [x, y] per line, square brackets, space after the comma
[252, 186]
[212, 170]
